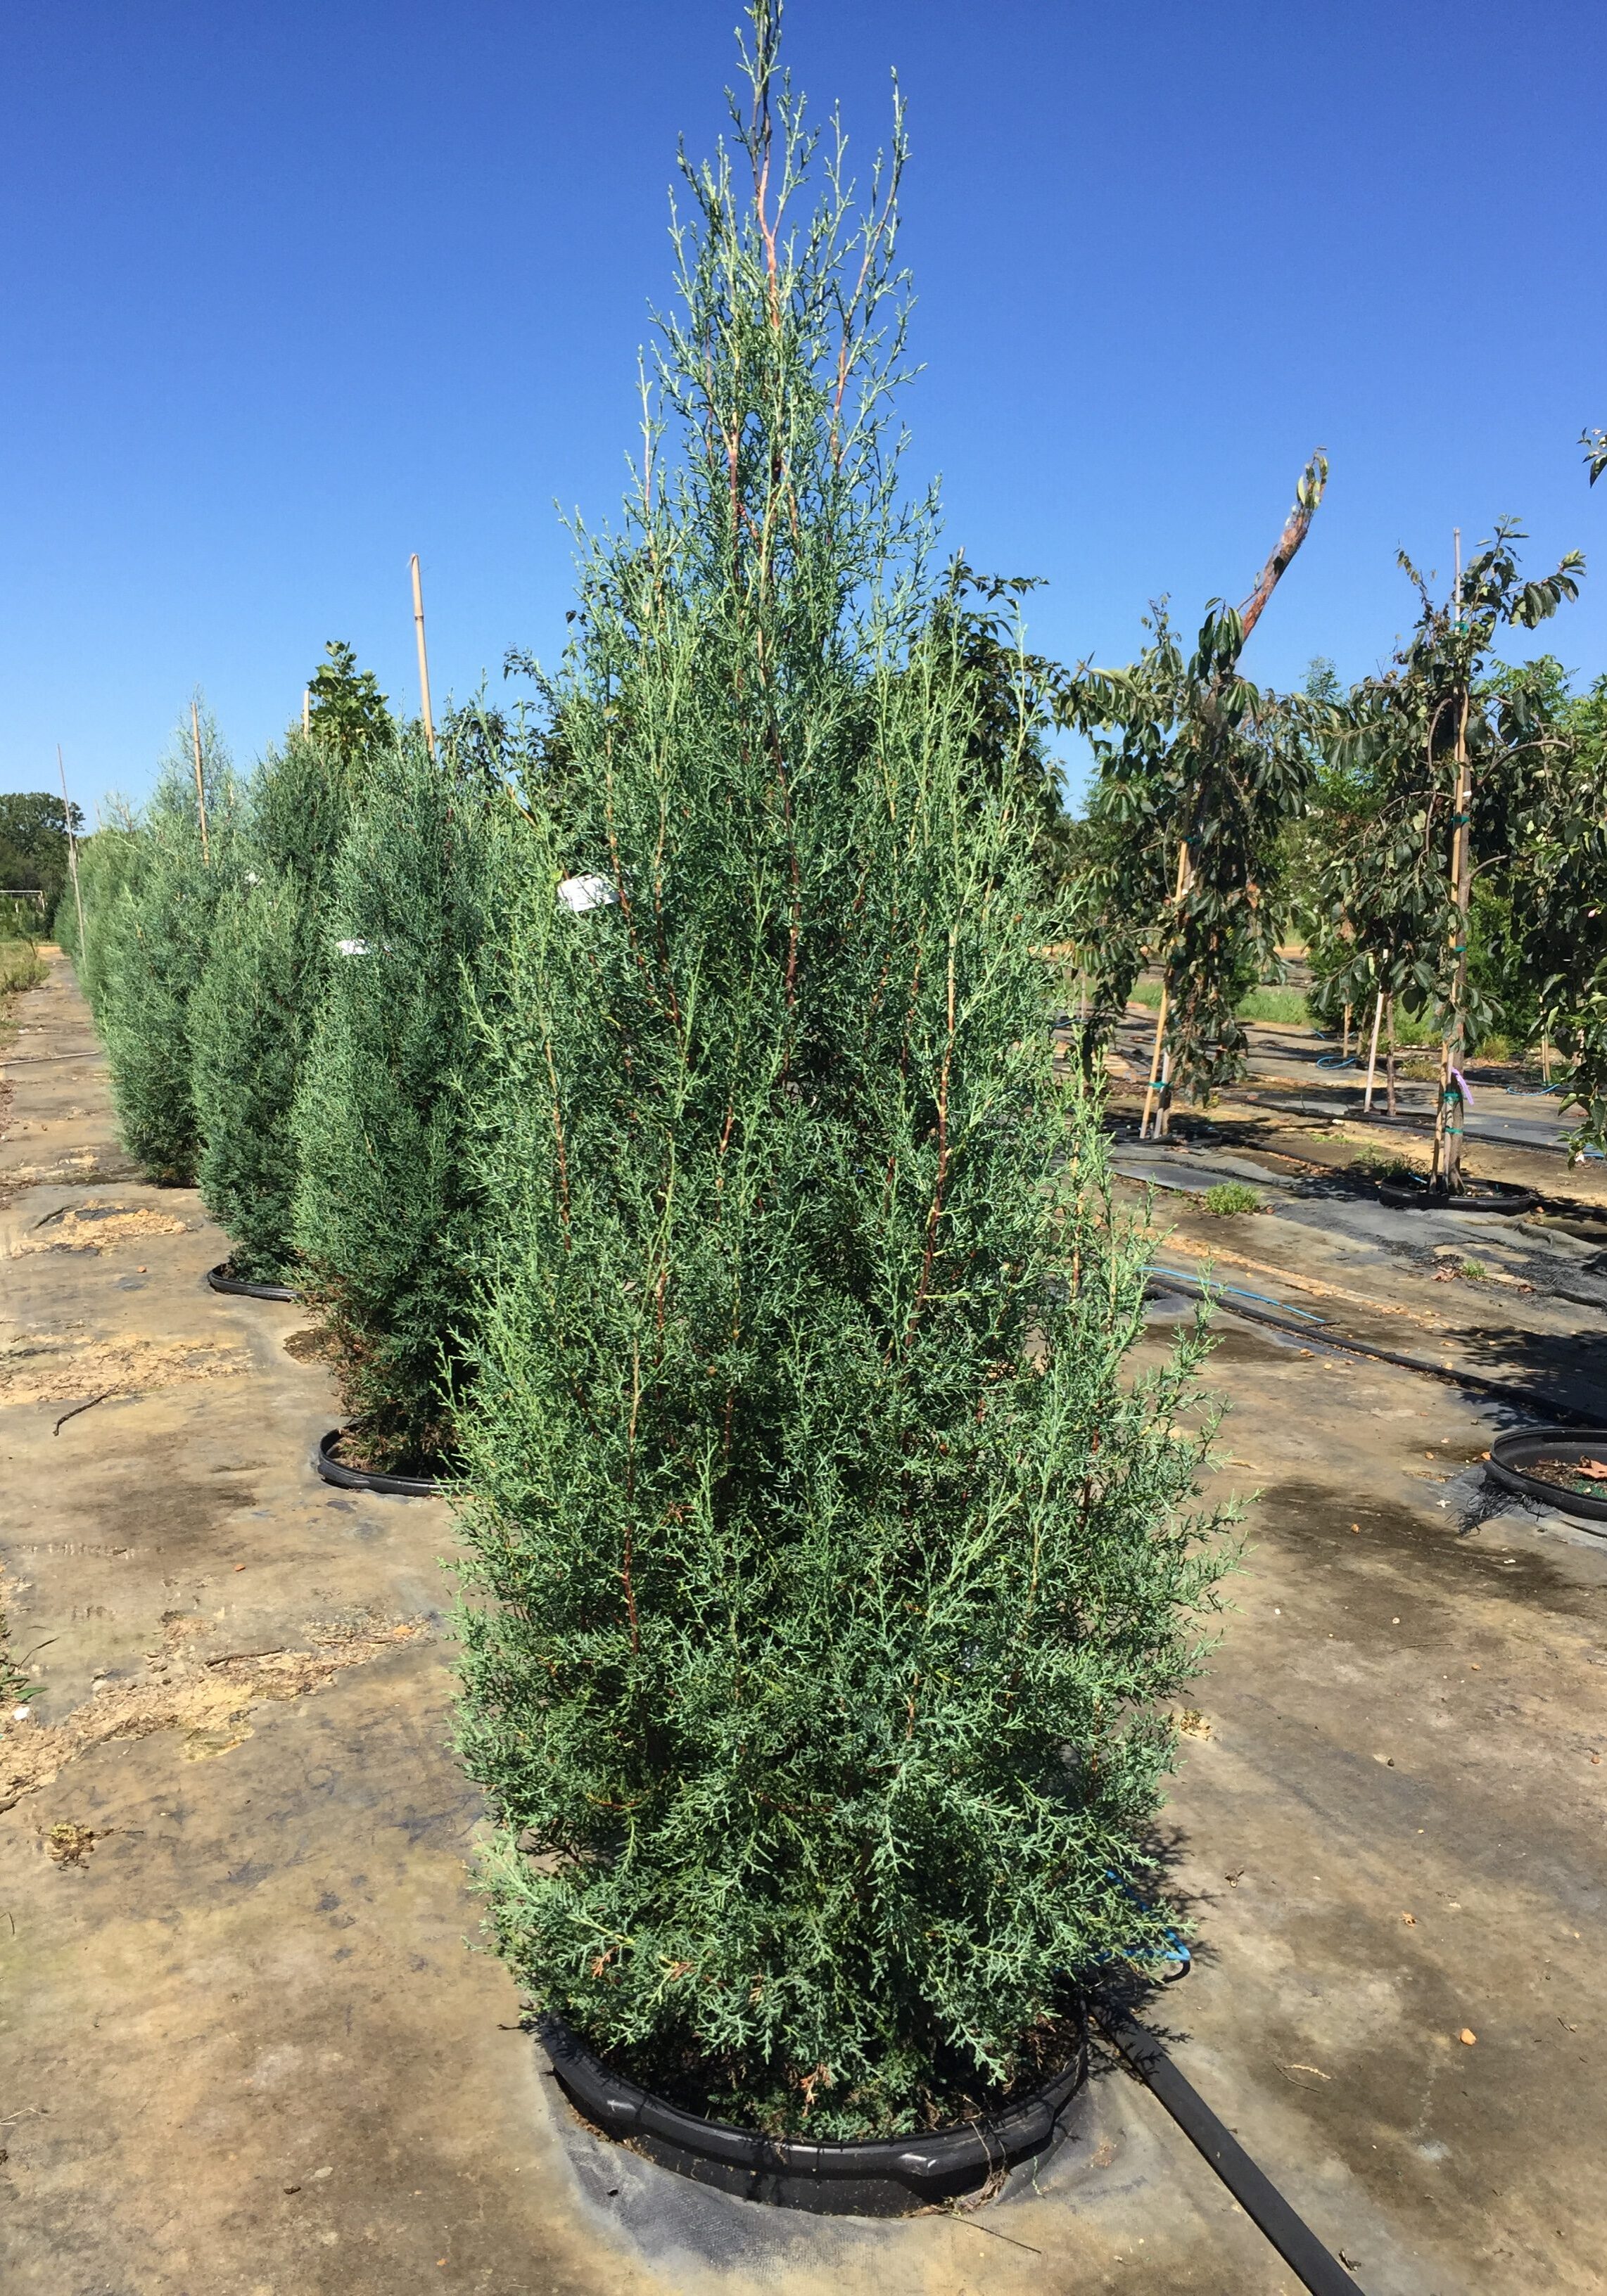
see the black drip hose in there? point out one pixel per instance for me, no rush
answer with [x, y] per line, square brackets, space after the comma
[1260, 2198]
[1524, 1399]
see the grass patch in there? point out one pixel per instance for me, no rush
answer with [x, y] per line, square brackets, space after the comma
[21, 966]
[1287, 1005]
[1228, 1197]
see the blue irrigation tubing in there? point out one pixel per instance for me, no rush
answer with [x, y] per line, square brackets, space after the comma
[1174, 1950]
[1329, 1061]
[1316, 2267]
[1237, 1291]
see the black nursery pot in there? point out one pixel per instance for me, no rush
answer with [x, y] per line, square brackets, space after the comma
[878, 2176]
[1481, 1196]
[1511, 1457]
[365, 1479]
[220, 1280]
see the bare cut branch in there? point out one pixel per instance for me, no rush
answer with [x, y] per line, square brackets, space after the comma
[1297, 526]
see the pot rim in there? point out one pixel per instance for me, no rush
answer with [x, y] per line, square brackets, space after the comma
[924, 2167]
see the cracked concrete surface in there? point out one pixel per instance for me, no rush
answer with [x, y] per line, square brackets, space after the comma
[252, 2047]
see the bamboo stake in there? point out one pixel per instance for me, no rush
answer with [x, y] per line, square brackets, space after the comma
[1149, 1095]
[201, 786]
[306, 711]
[1345, 1041]
[72, 853]
[418, 624]
[1378, 1015]
[1390, 1065]
[1156, 1060]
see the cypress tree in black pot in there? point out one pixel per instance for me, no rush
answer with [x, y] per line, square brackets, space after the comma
[150, 897]
[254, 1013]
[386, 1202]
[833, 1570]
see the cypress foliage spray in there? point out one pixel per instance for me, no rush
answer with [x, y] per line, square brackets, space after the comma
[386, 1202]
[152, 933]
[831, 1567]
[254, 1013]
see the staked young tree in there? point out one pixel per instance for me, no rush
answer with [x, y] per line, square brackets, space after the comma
[1199, 775]
[831, 1570]
[387, 1210]
[1447, 761]
[347, 712]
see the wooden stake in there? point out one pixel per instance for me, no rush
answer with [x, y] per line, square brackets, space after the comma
[1378, 1015]
[1158, 1065]
[1345, 1040]
[72, 853]
[1155, 1058]
[201, 786]
[1390, 1065]
[418, 624]
[306, 711]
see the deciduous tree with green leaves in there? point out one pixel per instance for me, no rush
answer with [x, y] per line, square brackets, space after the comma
[1451, 775]
[1198, 775]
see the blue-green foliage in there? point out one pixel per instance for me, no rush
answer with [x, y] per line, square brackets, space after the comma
[386, 1205]
[258, 1003]
[832, 1571]
[150, 897]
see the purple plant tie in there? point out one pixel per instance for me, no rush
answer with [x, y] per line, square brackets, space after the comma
[1462, 1087]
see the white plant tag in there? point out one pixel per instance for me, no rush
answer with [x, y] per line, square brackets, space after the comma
[578, 893]
[355, 947]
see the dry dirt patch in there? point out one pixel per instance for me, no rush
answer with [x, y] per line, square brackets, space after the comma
[53, 1368]
[208, 1698]
[96, 1227]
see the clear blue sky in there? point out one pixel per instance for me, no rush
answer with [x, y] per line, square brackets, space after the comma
[290, 292]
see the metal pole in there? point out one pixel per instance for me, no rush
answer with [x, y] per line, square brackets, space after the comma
[72, 852]
[418, 624]
[201, 786]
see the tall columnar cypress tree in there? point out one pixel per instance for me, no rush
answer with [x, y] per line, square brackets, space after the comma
[110, 860]
[386, 1202]
[832, 1569]
[151, 930]
[254, 1013]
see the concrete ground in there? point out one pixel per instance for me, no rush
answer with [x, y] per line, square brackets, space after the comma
[244, 2006]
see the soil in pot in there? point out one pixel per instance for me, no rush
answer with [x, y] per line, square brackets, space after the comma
[1580, 1477]
[1542, 1464]
[728, 2089]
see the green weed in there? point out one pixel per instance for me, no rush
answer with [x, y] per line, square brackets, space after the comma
[1230, 1196]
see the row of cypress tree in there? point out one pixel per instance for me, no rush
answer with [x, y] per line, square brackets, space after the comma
[677, 1143]
[277, 966]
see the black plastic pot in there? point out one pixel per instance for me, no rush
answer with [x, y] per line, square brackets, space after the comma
[363, 1479]
[1483, 1196]
[879, 2176]
[220, 1280]
[1511, 1455]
